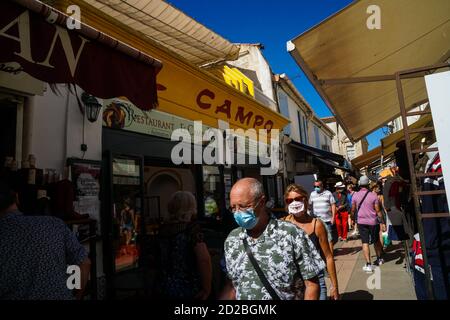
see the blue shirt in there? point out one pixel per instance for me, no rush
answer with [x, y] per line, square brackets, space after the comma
[34, 254]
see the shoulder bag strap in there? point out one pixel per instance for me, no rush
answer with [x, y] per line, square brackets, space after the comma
[364, 198]
[260, 273]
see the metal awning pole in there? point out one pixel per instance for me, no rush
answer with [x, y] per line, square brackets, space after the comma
[401, 100]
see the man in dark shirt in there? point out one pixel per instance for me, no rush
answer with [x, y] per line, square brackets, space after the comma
[35, 252]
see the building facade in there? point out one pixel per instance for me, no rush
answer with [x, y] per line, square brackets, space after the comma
[307, 148]
[342, 145]
[305, 127]
[131, 146]
[397, 124]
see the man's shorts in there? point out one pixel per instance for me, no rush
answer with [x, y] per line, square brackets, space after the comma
[331, 232]
[368, 233]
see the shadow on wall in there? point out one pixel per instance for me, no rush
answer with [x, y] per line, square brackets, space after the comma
[357, 295]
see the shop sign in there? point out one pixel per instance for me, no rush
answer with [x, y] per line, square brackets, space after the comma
[121, 114]
[225, 109]
[12, 76]
[191, 94]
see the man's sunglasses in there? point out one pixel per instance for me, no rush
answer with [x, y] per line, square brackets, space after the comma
[290, 200]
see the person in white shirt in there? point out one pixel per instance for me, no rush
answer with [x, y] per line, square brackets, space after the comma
[323, 206]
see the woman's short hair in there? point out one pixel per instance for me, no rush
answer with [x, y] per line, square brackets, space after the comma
[182, 206]
[296, 188]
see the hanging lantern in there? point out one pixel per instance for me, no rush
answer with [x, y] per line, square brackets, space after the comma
[91, 106]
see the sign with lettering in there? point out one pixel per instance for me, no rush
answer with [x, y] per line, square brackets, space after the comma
[86, 179]
[54, 54]
[121, 114]
[12, 76]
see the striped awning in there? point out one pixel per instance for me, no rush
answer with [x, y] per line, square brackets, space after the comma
[170, 28]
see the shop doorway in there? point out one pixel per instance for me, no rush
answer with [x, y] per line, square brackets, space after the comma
[8, 128]
[127, 208]
[160, 184]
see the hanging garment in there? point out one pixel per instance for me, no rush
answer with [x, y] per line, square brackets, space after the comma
[439, 277]
[393, 192]
[437, 230]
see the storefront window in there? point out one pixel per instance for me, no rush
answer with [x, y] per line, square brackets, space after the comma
[228, 181]
[280, 192]
[271, 195]
[211, 191]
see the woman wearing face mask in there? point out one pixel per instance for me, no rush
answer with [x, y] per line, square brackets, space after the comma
[296, 199]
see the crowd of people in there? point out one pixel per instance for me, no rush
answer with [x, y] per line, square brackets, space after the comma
[265, 258]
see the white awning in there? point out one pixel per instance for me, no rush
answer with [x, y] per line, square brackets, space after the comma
[170, 28]
[341, 50]
[367, 158]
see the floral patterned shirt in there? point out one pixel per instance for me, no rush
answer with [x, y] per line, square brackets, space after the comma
[285, 255]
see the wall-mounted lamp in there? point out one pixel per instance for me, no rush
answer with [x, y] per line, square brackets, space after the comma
[91, 106]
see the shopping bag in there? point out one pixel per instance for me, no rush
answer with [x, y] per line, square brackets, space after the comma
[386, 240]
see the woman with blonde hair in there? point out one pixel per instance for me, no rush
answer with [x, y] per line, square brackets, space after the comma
[296, 199]
[184, 262]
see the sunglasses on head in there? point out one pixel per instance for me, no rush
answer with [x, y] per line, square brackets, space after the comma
[290, 200]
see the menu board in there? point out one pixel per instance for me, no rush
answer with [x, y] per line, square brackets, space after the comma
[85, 176]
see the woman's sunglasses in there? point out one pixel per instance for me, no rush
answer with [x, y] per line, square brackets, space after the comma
[290, 200]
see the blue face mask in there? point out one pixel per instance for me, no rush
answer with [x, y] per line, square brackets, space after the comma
[317, 189]
[246, 219]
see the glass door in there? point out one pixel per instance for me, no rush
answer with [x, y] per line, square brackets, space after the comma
[126, 210]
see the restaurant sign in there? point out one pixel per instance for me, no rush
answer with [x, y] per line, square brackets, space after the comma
[122, 114]
[118, 113]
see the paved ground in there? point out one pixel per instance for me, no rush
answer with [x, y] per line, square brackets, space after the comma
[390, 282]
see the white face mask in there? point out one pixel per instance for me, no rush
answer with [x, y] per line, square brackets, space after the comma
[296, 208]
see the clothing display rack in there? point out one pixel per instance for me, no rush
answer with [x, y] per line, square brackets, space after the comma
[416, 176]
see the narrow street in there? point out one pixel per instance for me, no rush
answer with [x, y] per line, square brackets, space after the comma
[395, 284]
[196, 153]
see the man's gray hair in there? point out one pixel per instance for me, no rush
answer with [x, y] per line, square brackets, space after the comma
[256, 189]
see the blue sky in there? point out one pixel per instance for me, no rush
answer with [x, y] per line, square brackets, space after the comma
[271, 23]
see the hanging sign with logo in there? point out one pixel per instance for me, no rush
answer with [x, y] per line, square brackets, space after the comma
[121, 114]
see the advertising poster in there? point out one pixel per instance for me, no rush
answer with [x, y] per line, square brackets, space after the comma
[86, 177]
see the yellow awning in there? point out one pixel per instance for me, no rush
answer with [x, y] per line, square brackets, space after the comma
[367, 158]
[185, 90]
[341, 49]
[388, 143]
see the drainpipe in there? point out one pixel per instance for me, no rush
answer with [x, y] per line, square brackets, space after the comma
[275, 86]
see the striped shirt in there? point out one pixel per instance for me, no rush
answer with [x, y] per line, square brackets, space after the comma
[321, 204]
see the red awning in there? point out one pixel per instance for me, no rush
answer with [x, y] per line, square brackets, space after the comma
[36, 37]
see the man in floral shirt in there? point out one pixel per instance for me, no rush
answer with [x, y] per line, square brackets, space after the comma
[284, 252]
